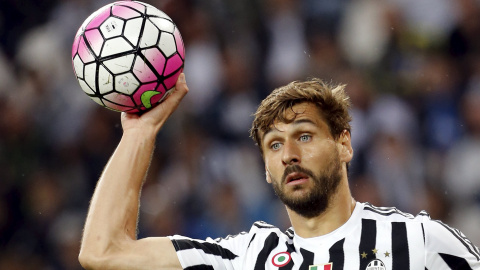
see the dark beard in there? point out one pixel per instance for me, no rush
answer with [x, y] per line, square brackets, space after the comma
[317, 200]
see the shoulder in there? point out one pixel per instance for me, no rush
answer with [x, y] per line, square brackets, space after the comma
[228, 250]
[388, 213]
[263, 227]
[262, 232]
[259, 232]
[439, 239]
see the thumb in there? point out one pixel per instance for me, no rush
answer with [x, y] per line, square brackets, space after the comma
[181, 89]
[171, 102]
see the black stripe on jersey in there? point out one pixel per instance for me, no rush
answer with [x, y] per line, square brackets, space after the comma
[337, 256]
[290, 249]
[423, 233]
[251, 240]
[368, 239]
[200, 267]
[263, 225]
[208, 248]
[270, 243]
[290, 233]
[400, 256]
[307, 258]
[455, 262]
[463, 239]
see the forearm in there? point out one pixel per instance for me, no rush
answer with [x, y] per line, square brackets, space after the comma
[113, 212]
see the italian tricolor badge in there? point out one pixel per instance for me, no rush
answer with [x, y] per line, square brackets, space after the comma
[328, 266]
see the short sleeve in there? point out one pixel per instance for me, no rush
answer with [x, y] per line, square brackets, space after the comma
[221, 253]
[447, 247]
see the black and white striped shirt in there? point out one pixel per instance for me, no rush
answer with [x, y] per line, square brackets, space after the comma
[374, 238]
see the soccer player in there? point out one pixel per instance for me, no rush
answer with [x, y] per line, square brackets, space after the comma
[303, 132]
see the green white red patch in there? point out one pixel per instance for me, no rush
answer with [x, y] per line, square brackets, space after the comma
[328, 266]
[281, 259]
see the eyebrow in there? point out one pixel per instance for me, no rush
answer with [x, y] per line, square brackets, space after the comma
[295, 123]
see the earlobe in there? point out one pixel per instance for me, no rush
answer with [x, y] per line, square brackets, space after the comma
[346, 152]
[268, 176]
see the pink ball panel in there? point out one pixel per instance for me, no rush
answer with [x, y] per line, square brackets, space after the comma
[85, 54]
[146, 87]
[76, 41]
[134, 5]
[99, 19]
[179, 41]
[156, 58]
[115, 106]
[170, 81]
[124, 12]
[142, 71]
[132, 111]
[155, 99]
[120, 99]
[173, 64]
[95, 40]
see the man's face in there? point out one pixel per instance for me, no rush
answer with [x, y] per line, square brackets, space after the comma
[302, 161]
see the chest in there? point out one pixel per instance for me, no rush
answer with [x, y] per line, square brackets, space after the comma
[374, 246]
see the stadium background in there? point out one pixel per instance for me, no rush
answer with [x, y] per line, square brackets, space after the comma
[413, 73]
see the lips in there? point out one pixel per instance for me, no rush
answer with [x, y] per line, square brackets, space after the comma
[295, 176]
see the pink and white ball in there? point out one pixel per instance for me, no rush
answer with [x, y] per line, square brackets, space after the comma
[127, 56]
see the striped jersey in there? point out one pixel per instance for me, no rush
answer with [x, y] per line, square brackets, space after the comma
[374, 238]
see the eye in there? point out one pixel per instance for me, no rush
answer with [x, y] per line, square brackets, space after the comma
[275, 146]
[305, 138]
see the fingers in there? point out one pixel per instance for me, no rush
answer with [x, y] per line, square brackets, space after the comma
[171, 102]
[156, 117]
[181, 88]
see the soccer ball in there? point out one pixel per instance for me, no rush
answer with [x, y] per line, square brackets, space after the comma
[127, 56]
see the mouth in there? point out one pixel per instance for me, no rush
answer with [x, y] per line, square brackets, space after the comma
[296, 178]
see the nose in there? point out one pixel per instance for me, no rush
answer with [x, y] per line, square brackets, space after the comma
[291, 153]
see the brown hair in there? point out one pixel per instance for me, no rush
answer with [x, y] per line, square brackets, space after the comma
[332, 101]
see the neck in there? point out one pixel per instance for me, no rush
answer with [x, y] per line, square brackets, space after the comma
[340, 208]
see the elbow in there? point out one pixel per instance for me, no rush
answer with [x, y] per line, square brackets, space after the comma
[93, 257]
[86, 260]
[89, 260]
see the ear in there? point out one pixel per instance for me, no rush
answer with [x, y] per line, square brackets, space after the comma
[268, 176]
[344, 144]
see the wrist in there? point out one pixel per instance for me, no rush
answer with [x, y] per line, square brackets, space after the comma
[148, 134]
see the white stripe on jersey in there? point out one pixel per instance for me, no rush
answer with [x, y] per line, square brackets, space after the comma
[352, 259]
[384, 244]
[415, 247]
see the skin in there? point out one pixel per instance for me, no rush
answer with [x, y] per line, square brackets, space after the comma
[307, 142]
[109, 240]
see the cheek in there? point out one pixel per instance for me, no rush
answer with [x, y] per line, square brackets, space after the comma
[321, 154]
[272, 171]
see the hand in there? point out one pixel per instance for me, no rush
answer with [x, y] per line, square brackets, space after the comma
[154, 119]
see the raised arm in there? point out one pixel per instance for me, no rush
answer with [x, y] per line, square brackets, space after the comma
[109, 237]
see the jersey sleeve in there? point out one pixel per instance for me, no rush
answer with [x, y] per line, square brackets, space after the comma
[220, 253]
[448, 248]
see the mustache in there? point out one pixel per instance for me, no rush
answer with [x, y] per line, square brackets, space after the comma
[298, 169]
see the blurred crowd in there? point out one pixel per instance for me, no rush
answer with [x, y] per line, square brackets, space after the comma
[412, 69]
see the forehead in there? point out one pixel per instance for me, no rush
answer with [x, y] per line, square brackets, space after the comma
[301, 110]
[300, 113]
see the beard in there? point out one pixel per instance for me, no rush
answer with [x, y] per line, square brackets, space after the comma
[317, 199]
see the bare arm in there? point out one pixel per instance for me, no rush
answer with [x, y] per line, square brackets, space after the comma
[109, 238]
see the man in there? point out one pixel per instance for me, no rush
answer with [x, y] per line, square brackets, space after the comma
[303, 133]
